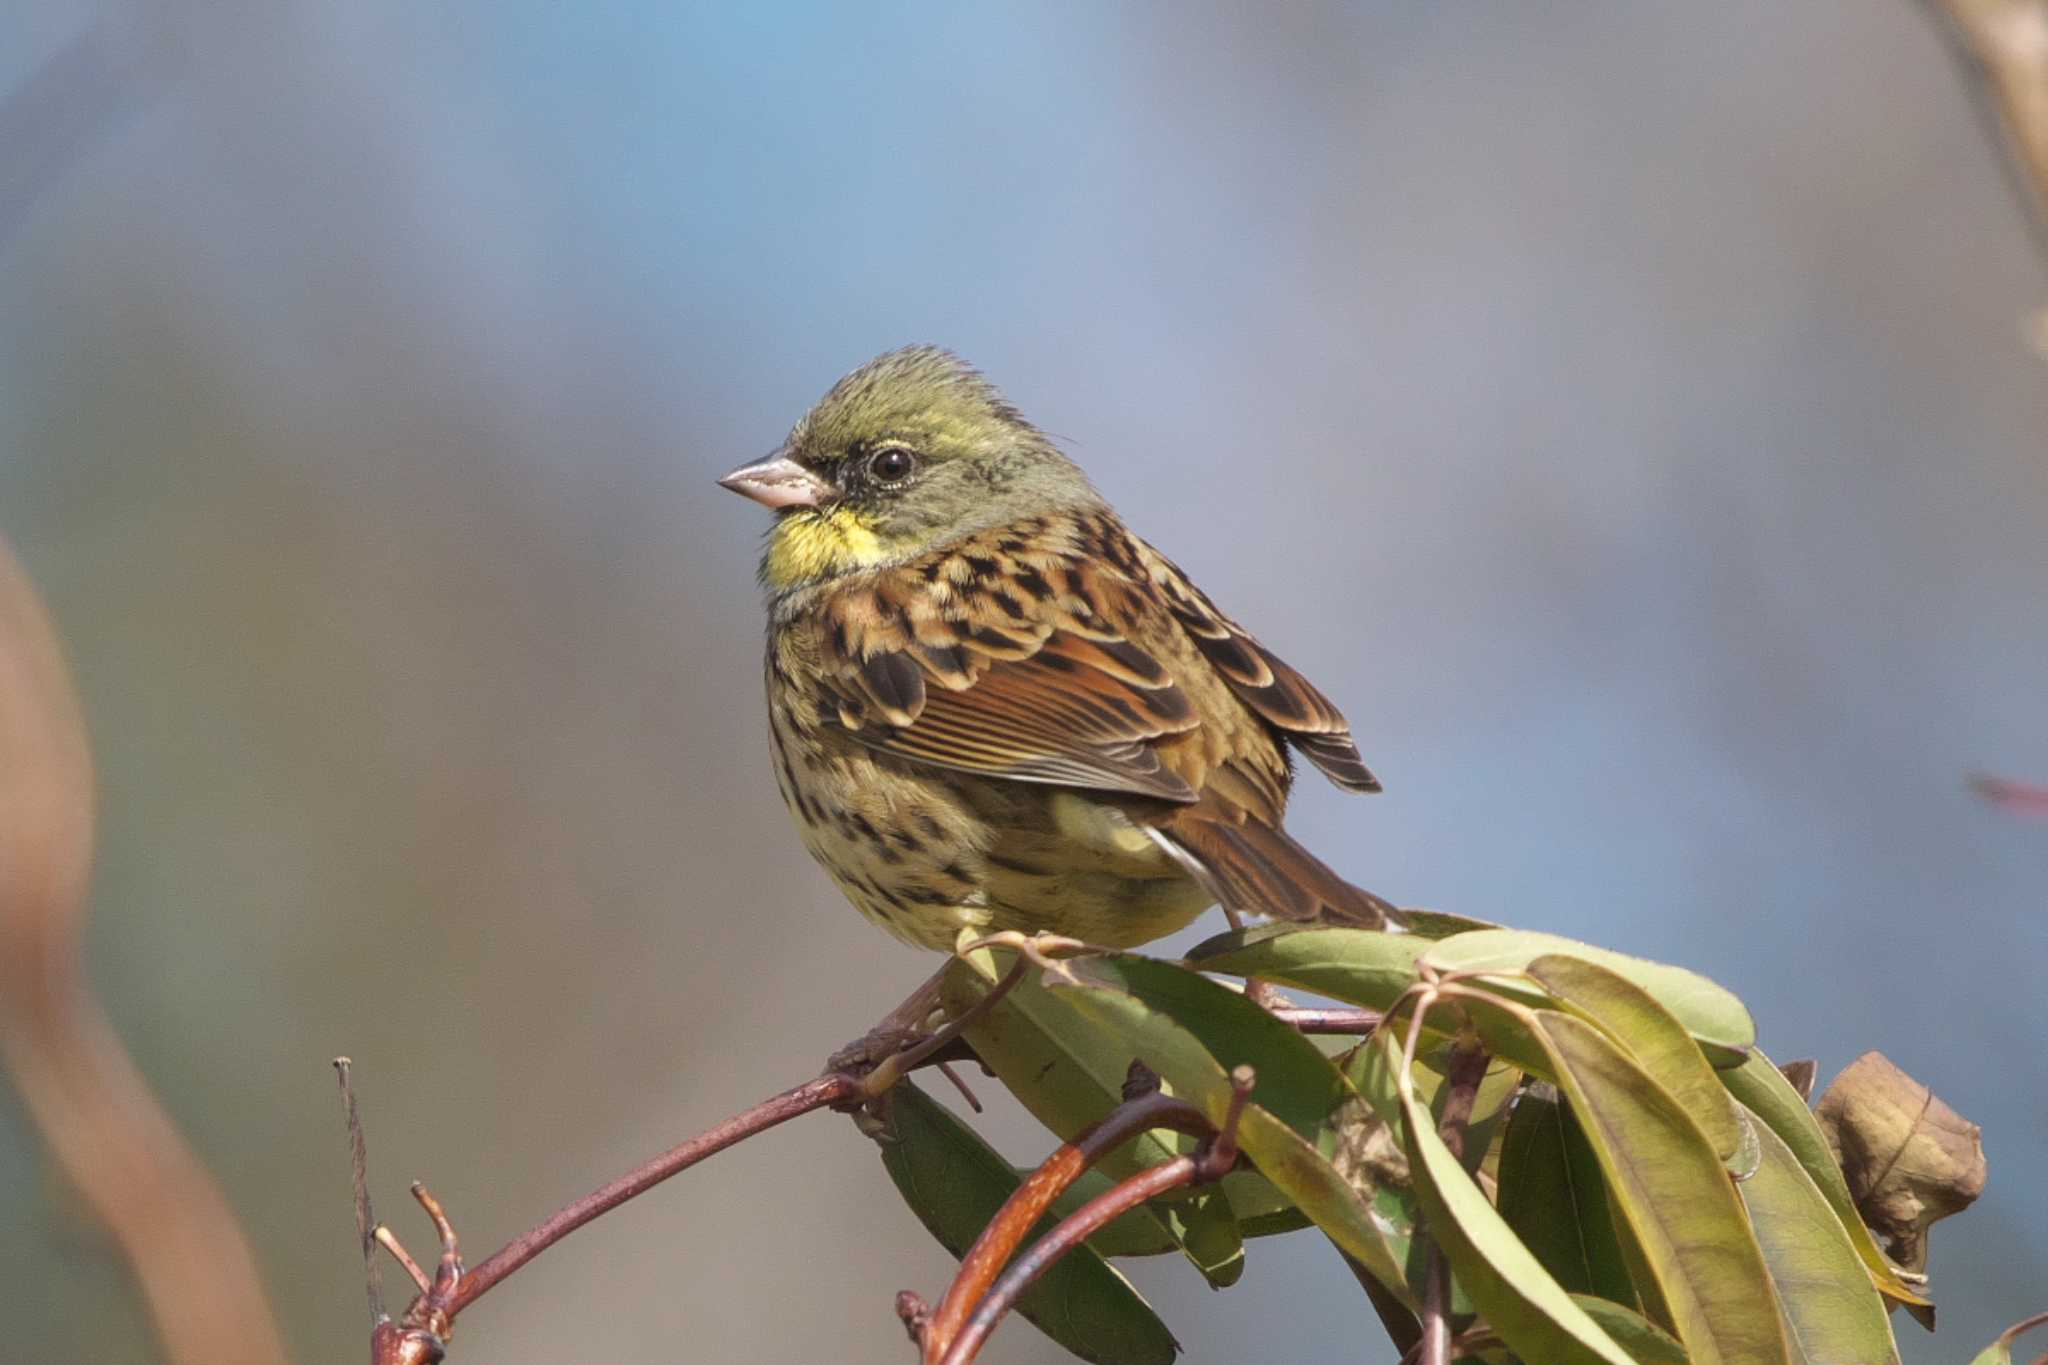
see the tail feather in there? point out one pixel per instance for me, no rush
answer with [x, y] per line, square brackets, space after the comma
[1255, 869]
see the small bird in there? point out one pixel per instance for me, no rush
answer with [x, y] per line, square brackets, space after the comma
[993, 708]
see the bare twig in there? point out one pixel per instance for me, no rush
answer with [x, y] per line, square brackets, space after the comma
[368, 1231]
[824, 1092]
[1028, 1203]
[1345, 1022]
[2024, 797]
[1209, 1162]
[1076, 1228]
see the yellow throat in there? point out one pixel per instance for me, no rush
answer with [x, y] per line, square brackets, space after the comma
[805, 547]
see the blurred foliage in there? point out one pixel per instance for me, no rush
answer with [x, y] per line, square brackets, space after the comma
[1626, 1178]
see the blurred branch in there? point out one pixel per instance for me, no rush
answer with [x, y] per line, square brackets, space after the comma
[2024, 797]
[2003, 48]
[84, 1094]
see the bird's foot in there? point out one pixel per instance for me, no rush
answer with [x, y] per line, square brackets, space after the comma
[1037, 949]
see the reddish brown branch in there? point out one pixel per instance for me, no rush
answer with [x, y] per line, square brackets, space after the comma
[821, 1093]
[1073, 1230]
[2023, 797]
[1021, 1212]
[1345, 1022]
[977, 1299]
[1461, 1090]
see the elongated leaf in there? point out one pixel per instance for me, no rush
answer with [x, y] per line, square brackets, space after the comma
[1523, 1304]
[1068, 1072]
[1435, 924]
[1833, 1314]
[1652, 1035]
[1290, 1161]
[1670, 1187]
[1359, 966]
[1709, 1012]
[1765, 1093]
[1645, 1341]
[1296, 1082]
[1553, 1195]
[954, 1182]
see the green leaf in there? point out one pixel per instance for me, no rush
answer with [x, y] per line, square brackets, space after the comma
[1296, 1082]
[1160, 1027]
[1833, 1313]
[1709, 1012]
[1645, 1341]
[955, 1183]
[1765, 1093]
[1360, 966]
[1068, 1073]
[1652, 1035]
[1523, 1304]
[1435, 924]
[1671, 1188]
[1553, 1195]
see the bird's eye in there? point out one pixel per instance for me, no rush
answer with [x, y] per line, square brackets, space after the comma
[892, 464]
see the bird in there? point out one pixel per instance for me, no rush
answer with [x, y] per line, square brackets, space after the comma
[995, 710]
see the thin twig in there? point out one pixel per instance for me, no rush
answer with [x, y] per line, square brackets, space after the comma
[1216, 1155]
[389, 1241]
[359, 1181]
[1028, 1203]
[821, 1093]
[2024, 797]
[1076, 1228]
[2020, 1328]
[1347, 1022]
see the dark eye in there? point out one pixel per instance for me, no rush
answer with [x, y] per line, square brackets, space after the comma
[892, 464]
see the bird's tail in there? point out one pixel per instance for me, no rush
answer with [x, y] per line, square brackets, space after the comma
[1257, 869]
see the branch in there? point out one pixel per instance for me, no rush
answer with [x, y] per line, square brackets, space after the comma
[89, 1102]
[1461, 1089]
[2022, 797]
[1028, 1203]
[953, 1335]
[2004, 44]
[832, 1089]
[1346, 1022]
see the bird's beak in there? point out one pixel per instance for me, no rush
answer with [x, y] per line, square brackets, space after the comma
[779, 482]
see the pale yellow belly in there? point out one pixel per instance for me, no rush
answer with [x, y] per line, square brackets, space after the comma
[925, 853]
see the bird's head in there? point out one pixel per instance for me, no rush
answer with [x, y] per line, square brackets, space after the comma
[912, 450]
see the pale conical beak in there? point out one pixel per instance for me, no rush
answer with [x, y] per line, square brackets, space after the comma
[779, 482]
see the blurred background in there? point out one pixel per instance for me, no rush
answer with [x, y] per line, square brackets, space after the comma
[1643, 390]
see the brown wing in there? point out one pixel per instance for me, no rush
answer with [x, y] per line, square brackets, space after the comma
[1048, 653]
[1010, 657]
[1289, 702]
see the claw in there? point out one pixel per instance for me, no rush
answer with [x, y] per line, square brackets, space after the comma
[1035, 949]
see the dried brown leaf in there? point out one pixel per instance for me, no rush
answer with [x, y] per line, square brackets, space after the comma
[1910, 1160]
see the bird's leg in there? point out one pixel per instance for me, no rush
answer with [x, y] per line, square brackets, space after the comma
[1036, 949]
[900, 1028]
[1265, 994]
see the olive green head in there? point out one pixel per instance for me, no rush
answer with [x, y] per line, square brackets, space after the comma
[910, 451]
